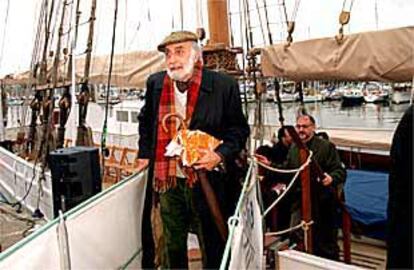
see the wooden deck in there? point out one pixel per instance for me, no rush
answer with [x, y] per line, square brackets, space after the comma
[367, 253]
[15, 226]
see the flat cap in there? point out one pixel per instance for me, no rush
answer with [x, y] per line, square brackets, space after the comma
[177, 37]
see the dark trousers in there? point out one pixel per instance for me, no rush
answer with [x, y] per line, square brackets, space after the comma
[148, 252]
[184, 210]
[324, 231]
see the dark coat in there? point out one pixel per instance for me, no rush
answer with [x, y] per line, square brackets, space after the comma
[323, 199]
[218, 112]
[400, 196]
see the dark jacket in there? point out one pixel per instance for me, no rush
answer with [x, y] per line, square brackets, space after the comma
[218, 112]
[400, 196]
[323, 198]
[325, 153]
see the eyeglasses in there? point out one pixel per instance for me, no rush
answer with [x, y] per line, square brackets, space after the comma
[302, 126]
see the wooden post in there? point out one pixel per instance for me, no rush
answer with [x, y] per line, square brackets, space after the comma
[305, 185]
[213, 204]
[218, 22]
[306, 198]
[346, 232]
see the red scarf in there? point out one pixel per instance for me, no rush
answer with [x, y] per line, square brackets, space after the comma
[165, 167]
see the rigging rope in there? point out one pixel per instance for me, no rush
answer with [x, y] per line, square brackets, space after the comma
[344, 18]
[279, 101]
[199, 15]
[52, 32]
[260, 22]
[182, 14]
[296, 171]
[249, 33]
[302, 225]
[269, 33]
[4, 32]
[290, 23]
[105, 124]
[376, 14]
[34, 62]
[234, 220]
[243, 60]
[230, 25]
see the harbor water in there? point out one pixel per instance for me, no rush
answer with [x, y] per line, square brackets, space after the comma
[327, 115]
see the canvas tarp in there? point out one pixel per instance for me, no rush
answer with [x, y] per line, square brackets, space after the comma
[361, 138]
[386, 55]
[129, 70]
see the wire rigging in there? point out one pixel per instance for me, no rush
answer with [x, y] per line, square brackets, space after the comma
[182, 14]
[269, 33]
[105, 125]
[249, 33]
[260, 22]
[4, 31]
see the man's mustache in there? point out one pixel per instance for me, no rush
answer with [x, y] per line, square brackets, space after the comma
[175, 68]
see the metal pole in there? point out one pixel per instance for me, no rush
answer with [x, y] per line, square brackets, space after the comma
[2, 130]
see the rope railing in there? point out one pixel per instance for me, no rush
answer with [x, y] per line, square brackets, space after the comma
[234, 220]
[302, 225]
[297, 172]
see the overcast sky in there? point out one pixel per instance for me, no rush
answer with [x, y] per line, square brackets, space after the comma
[143, 23]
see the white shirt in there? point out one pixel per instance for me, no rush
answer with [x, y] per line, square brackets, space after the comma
[180, 100]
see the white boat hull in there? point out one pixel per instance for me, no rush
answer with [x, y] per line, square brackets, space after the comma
[292, 259]
[16, 180]
[399, 97]
[375, 98]
[103, 232]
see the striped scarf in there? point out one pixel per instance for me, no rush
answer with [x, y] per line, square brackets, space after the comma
[165, 167]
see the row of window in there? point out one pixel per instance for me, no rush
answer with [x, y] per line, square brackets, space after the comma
[124, 116]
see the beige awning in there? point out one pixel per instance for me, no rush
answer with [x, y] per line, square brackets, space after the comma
[128, 70]
[372, 139]
[372, 56]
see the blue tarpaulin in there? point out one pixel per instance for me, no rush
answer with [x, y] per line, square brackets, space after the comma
[366, 196]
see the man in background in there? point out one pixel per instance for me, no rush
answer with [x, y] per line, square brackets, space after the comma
[274, 183]
[323, 191]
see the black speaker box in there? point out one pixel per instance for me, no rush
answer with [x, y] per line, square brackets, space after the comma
[76, 176]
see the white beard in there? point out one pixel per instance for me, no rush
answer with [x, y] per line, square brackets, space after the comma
[186, 71]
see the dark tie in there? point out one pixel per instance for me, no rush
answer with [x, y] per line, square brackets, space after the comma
[182, 86]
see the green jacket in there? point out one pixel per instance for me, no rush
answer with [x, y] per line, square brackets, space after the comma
[325, 153]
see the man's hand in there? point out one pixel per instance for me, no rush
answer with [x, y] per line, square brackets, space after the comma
[209, 160]
[262, 159]
[327, 180]
[142, 164]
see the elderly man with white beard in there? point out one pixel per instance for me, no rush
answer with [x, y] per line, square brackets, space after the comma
[207, 101]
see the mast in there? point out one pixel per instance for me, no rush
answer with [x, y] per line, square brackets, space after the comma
[217, 54]
[35, 104]
[218, 22]
[84, 135]
[2, 105]
[90, 43]
[48, 103]
[65, 103]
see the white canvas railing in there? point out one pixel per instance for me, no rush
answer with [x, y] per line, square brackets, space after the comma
[16, 179]
[103, 232]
